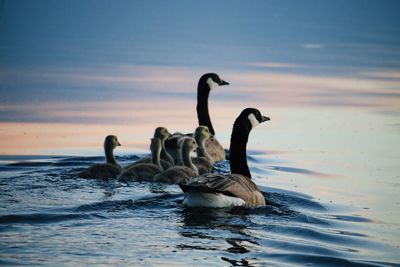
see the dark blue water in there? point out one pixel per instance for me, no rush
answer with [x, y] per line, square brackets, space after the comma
[49, 216]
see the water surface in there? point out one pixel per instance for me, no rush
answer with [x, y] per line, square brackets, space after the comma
[51, 217]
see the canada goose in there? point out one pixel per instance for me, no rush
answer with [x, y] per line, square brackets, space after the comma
[180, 174]
[145, 171]
[206, 83]
[203, 161]
[236, 189]
[110, 169]
[165, 159]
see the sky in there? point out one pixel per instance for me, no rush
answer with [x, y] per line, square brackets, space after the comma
[132, 62]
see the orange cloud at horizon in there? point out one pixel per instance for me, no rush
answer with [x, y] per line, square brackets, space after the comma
[134, 127]
[85, 123]
[52, 138]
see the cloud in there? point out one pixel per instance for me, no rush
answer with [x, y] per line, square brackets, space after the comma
[288, 90]
[135, 93]
[274, 65]
[385, 74]
[312, 46]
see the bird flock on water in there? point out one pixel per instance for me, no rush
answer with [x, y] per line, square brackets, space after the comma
[171, 160]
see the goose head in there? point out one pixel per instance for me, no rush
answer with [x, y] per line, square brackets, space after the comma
[188, 144]
[244, 123]
[211, 80]
[201, 134]
[111, 142]
[161, 133]
[250, 118]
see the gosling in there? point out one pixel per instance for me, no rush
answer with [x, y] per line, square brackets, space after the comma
[144, 171]
[107, 170]
[181, 174]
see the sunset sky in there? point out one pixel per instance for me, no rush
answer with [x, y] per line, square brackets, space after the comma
[106, 63]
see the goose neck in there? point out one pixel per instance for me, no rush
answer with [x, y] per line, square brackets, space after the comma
[165, 155]
[238, 156]
[202, 107]
[187, 160]
[110, 155]
[202, 151]
[155, 156]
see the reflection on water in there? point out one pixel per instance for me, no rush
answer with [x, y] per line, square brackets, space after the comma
[108, 222]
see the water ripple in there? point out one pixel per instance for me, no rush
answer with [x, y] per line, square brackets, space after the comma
[79, 218]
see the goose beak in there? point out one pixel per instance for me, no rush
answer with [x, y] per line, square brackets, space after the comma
[118, 144]
[265, 119]
[223, 83]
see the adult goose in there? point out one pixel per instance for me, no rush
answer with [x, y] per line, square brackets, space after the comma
[236, 189]
[109, 169]
[208, 82]
[145, 171]
[181, 174]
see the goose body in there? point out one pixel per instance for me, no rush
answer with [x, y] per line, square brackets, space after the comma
[109, 169]
[144, 171]
[202, 164]
[180, 174]
[175, 175]
[208, 82]
[236, 189]
[215, 149]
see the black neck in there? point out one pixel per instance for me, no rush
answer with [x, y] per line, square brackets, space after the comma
[238, 157]
[203, 92]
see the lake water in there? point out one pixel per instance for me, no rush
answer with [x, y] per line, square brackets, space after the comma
[330, 179]
[326, 73]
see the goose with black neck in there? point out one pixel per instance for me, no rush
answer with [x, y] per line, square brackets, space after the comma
[236, 189]
[207, 83]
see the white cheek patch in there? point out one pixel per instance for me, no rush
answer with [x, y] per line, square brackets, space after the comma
[212, 84]
[253, 120]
